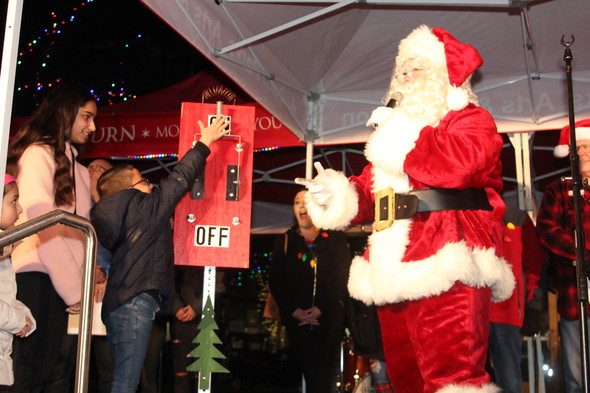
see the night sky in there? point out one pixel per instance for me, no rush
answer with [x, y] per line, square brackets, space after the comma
[118, 48]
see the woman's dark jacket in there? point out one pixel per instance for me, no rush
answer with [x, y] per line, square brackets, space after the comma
[291, 275]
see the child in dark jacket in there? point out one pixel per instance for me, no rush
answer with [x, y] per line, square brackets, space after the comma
[132, 221]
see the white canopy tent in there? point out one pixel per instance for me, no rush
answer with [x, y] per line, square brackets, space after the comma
[321, 67]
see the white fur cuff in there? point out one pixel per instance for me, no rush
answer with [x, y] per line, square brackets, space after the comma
[485, 388]
[341, 208]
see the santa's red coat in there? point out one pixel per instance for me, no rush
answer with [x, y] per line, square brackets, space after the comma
[432, 274]
[427, 254]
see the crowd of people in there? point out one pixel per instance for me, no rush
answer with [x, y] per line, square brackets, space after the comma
[131, 284]
[450, 281]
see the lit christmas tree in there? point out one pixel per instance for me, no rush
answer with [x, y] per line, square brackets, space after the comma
[206, 352]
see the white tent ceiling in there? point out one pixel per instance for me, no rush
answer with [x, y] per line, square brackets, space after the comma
[322, 67]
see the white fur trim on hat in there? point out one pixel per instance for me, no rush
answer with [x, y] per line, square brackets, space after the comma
[423, 44]
[582, 133]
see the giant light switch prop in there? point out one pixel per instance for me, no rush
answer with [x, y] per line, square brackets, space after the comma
[212, 222]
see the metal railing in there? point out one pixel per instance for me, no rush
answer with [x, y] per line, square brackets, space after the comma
[41, 223]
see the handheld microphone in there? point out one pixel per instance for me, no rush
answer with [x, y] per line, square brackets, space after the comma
[395, 99]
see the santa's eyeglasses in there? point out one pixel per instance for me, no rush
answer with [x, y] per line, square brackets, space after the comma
[404, 76]
[582, 148]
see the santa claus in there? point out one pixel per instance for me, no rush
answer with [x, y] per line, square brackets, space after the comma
[431, 189]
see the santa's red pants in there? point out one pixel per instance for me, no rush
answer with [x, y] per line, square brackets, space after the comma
[438, 341]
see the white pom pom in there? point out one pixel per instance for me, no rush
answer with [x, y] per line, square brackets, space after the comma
[457, 99]
[561, 151]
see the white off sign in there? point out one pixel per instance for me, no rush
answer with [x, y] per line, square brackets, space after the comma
[212, 236]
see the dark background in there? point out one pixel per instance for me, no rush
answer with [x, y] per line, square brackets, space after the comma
[107, 44]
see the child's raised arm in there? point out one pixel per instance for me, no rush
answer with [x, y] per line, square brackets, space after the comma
[215, 130]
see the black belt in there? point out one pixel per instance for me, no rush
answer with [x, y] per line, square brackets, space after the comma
[390, 206]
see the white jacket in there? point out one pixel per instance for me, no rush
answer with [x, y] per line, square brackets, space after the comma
[12, 319]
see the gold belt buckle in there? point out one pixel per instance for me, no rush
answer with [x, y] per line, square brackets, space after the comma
[384, 209]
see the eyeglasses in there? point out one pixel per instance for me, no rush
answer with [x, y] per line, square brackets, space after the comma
[143, 180]
[97, 168]
[406, 75]
[582, 148]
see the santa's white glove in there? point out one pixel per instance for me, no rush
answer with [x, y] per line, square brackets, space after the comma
[319, 192]
[332, 201]
[379, 116]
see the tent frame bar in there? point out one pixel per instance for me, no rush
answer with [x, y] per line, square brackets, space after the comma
[534, 73]
[269, 76]
[455, 3]
[337, 5]
[286, 26]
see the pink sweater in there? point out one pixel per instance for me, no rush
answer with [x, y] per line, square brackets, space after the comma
[59, 250]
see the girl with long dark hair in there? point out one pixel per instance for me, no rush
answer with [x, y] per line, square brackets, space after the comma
[48, 265]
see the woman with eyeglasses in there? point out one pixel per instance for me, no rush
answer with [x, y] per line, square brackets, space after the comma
[48, 264]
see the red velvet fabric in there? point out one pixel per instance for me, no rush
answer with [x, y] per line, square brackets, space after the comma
[463, 151]
[438, 341]
[462, 59]
[523, 251]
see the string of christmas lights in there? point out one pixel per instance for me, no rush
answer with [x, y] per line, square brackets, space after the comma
[39, 66]
[174, 155]
[264, 149]
[152, 156]
[38, 53]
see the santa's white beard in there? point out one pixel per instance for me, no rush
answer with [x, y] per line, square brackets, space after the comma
[422, 103]
[424, 98]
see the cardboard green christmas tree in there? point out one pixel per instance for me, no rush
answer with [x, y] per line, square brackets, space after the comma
[206, 352]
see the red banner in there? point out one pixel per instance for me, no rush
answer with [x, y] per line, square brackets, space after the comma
[156, 133]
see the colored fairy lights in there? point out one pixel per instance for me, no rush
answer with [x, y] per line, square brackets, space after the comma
[37, 55]
[152, 156]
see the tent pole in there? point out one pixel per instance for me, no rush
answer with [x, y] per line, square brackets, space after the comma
[577, 189]
[529, 44]
[8, 67]
[309, 160]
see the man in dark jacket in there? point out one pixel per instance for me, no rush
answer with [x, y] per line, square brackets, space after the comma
[132, 220]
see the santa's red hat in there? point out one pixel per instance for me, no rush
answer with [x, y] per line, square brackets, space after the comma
[582, 132]
[439, 46]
